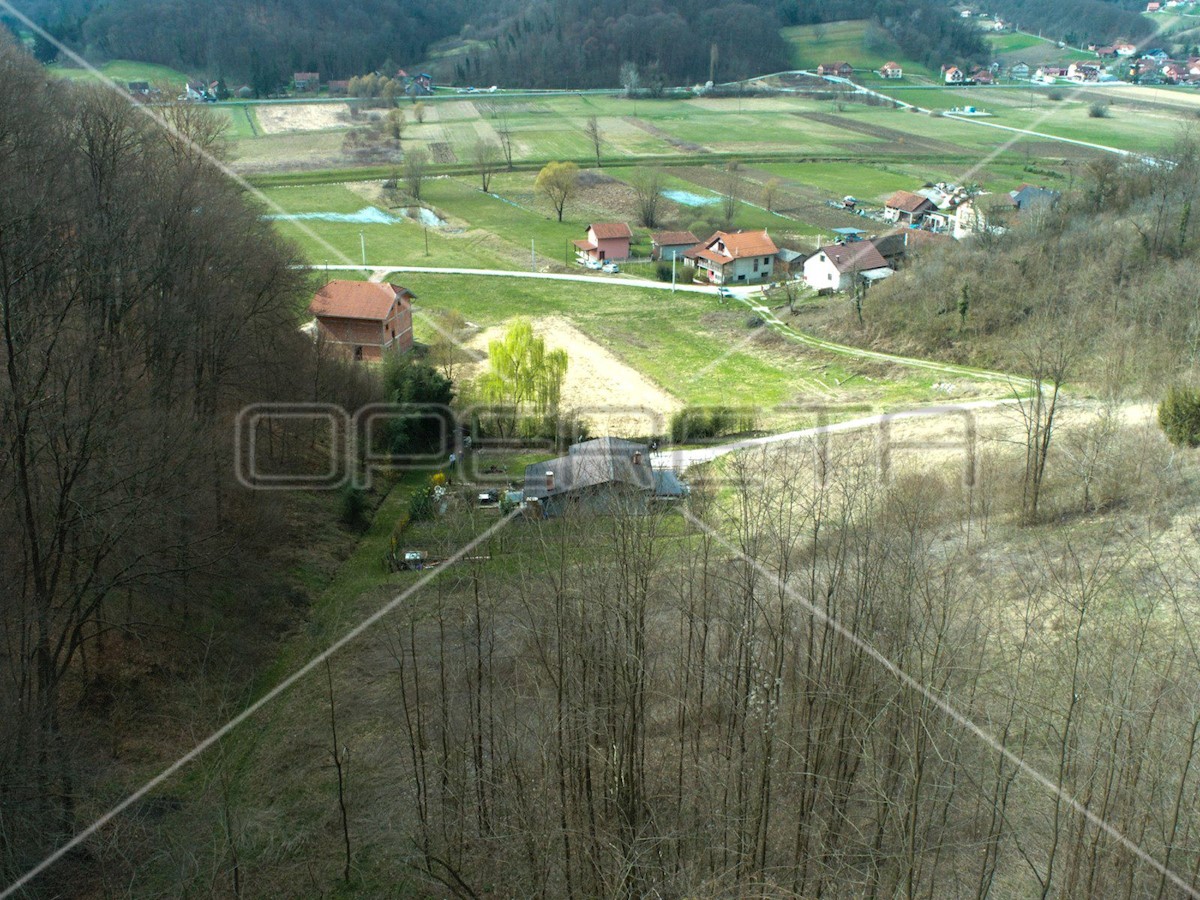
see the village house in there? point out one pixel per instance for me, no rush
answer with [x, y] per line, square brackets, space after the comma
[891, 70]
[983, 213]
[1051, 73]
[598, 477]
[364, 319]
[606, 241]
[841, 69]
[1153, 6]
[1018, 70]
[907, 208]
[739, 256]
[307, 82]
[671, 245]
[837, 267]
[338, 88]
[953, 75]
[1084, 71]
[1029, 196]
[1125, 49]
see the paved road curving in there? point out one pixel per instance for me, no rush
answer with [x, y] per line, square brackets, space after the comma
[748, 296]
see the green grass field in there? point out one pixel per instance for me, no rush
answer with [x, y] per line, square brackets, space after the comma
[123, 70]
[692, 347]
[838, 41]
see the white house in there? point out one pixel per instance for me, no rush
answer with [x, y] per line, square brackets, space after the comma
[953, 75]
[836, 266]
[891, 70]
[739, 256]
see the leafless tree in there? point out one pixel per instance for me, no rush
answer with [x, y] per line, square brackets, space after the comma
[592, 130]
[647, 187]
[486, 155]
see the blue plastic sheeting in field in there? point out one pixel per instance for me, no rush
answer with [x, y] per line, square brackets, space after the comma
[687, 198]
[368, 215]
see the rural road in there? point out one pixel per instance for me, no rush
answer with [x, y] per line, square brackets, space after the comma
[748, 296]
[679, 460]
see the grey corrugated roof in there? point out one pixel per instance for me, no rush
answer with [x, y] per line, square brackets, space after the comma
[590, 464]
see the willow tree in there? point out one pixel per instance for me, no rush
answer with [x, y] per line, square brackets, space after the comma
[522, 374]
[558, 181]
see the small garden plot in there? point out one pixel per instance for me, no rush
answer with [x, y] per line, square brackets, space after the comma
[291, 117]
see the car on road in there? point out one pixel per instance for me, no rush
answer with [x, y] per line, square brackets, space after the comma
[724, 292]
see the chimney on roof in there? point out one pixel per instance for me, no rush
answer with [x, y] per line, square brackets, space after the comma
[637, 457]
[549, 481]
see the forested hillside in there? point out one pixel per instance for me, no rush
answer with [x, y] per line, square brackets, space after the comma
[1078, 21]
[1111, 272]
[538, 44]
[143, 302]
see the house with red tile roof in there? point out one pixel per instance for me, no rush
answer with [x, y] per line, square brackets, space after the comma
[907, 207]
[606, 241]
[737, 256]
[953, 75]
[364, 319]
[841, 69]
[307, 81]
[891, 70]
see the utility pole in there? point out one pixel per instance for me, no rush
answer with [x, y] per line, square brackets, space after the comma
[532, 257]
[426, 240]
[363, 242]
[673, 258]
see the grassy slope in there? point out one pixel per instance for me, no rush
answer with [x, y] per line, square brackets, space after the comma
[123, 70]
[687, 343]
[837, 41]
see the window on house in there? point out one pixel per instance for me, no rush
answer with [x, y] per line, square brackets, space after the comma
[755, 265]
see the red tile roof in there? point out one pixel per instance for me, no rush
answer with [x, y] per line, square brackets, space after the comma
[674, 238]
[357, 300]
[906, 201]
[608, 230]
[738, 244]
[860, 256]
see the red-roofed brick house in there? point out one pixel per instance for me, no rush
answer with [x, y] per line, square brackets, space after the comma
[364, 319]
[732, 257]
[605, 241]
[907, 207]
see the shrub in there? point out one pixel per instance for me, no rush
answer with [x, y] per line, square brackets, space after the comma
[697, 423]
[420, 504]
[755, 321]
[662, 270]
[1179, 416]
[1055, 95]
[1098, 110]
[354, 508]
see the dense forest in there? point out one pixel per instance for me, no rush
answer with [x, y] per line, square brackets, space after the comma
[540, 44]
[143, 302]
[1078, 21]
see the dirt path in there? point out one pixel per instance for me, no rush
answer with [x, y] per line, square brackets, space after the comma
[613, 397]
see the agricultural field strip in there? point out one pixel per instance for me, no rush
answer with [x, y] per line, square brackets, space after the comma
[380, 272]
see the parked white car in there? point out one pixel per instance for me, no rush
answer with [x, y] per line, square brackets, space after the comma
[612, 268]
